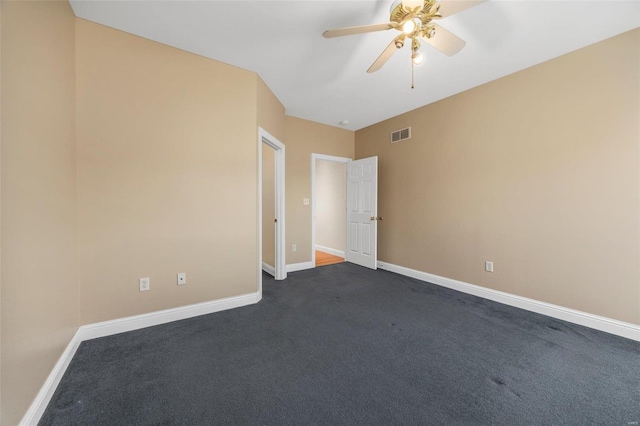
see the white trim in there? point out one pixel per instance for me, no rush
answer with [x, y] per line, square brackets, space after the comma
[108, 328]
[330, 250]
[259, 224]
[293, 267]
[269, 269]
[136, 322]
[279, 148]
[315, 157]
[331, 158]
[608, 325]
[39, 404]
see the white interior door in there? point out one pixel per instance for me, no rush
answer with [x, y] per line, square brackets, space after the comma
[362, 212]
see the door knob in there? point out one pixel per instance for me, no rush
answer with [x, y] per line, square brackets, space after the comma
[376, 218]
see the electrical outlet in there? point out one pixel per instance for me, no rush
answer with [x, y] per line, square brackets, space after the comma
[145, 284]
[294, 248]
[182, 278]
[488, 266]
[305, 201]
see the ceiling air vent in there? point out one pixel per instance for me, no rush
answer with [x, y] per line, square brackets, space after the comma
[401, 135]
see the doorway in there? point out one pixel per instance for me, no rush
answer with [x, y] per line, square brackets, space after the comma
[328, 208]
[271, 207]
[269, 216]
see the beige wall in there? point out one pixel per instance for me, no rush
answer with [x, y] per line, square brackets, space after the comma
[270, 115]
[331, 204]
[270, 111]
[303, 138]
[166, 175]
[40, 298]
[537, 172]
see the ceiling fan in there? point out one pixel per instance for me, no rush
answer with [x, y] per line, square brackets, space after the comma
[413, 18]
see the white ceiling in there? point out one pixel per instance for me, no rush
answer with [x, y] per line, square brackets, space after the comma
[325, 80]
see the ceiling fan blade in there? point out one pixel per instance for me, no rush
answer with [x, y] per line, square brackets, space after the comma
[359, 30]
[451, 7]
[445, 41]
[385, 55]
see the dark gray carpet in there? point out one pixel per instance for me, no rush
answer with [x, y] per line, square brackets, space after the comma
[346, 345]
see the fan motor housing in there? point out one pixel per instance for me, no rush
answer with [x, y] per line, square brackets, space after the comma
[428, 12]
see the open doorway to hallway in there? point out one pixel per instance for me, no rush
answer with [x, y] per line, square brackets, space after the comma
[271, 202]
[324, 259]
[268, 210]
[329, 209]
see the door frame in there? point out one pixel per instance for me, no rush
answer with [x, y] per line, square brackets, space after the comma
[265, 137]
[315, 157]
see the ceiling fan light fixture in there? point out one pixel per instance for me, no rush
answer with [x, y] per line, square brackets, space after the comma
[429, 32]
[413, 19]
[409, 27]
[416, 56]
[412, 5]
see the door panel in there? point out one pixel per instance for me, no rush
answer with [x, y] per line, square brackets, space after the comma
[353, 196]
[362, 225]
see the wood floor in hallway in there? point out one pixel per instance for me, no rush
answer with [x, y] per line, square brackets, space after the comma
[323, 259]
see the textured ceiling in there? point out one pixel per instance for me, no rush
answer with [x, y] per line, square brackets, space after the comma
[325, 80]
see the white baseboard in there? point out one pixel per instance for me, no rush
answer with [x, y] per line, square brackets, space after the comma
[293, 267]
[108, 328]
[619, 328]
[330, 250]
[269, 269]
[39, 404]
